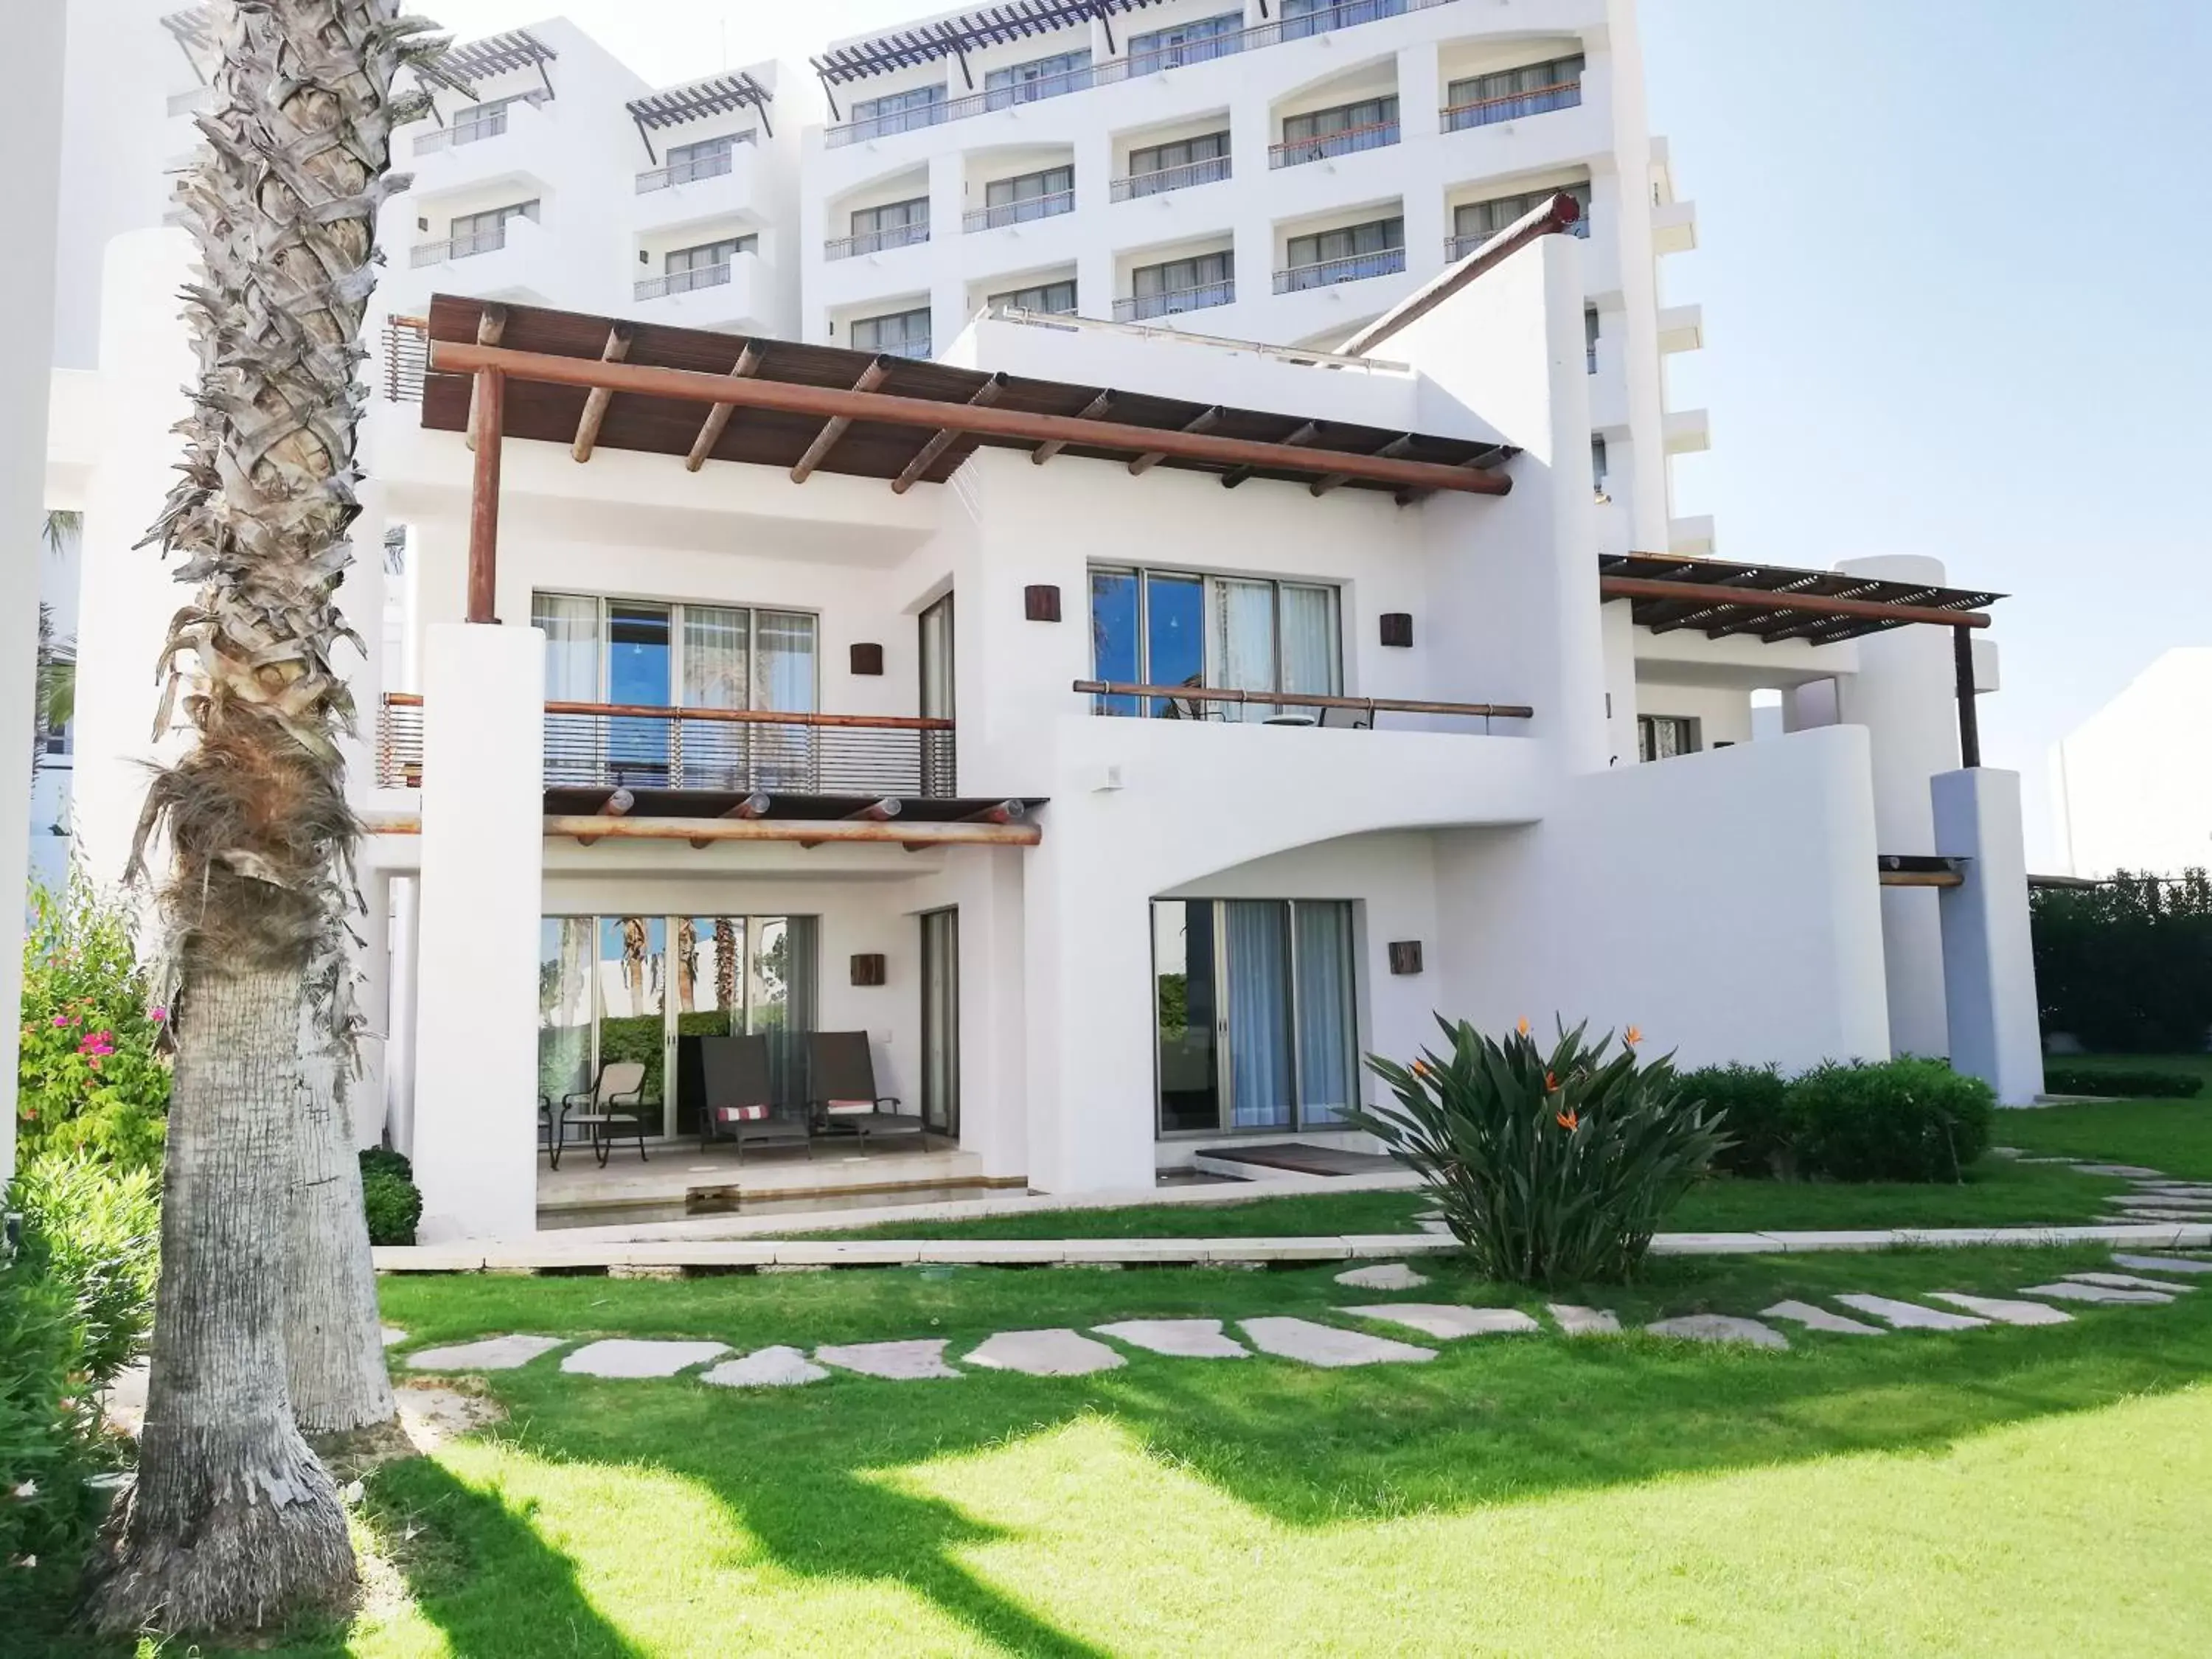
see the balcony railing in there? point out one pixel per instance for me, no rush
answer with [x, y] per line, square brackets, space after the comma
[458, 247]
[1458, 247]
[713, 165]
[874, 241]
[406, 358]
[1209, 170]
[1297, 152]
[1562, 95]
[1018, 213]
[1342, 15]
[1196, 703]
[593, 745]
[1139, 306]
[1325, 273]
[682, 281]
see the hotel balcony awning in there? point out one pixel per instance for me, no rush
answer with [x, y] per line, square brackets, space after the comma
[1779, 602]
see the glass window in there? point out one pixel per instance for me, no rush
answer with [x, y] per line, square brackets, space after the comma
[1029, 186]
[1186, 161]
[1509, 94]
[1184, 276]
[1343, 117]
[1346, 243]
[564, 1006]
[708, 158]
[1659, 737]
[1040, 77]
[1597, 460]
[1186, 43]
[1156, 628]
[709, 256]
[1056, 299]
[1302, 18]
[1474, 222]
[900, 111]
[481, 233]
[903, 332]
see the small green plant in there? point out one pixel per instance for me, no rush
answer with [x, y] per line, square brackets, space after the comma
[95, 1230]
[1748, 1102]
[2129, 1084]
[1894, 1119]
[389, 1196]
[1551, 1168]
[49, 1422]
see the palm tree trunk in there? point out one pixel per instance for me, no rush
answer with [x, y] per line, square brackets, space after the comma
[334, 1337]
[232, 1523]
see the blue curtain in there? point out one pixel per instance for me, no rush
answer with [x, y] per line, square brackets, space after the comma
[1326, 1062]
[1258, 1014]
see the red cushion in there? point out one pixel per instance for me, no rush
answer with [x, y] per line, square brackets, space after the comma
[740, 1113]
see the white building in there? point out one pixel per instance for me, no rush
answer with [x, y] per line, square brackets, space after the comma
[2122, 797]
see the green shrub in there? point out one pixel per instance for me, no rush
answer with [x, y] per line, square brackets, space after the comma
[1748, 1103]
[1551, 1168]
[1893, 1120]
[2121, 1084]
[49, 1421]
[389, 1196]
[91, 1078]
[95, 1230]
[2126, 965]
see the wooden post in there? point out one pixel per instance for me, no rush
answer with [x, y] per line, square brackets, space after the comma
[1970, 728]
[483, 495]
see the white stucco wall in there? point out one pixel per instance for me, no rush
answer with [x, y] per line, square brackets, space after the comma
[2126, 793]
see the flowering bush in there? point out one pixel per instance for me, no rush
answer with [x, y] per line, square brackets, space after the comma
[90, 1078]
[1551, 1168]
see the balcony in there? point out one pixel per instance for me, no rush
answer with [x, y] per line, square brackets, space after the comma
[714, 165]
[874, 241]
[1139, 308]
[1211, 171]
[1326, 273]
[458, 247]
[728, 751]
[1488, 111]
[1297, 152]
[682, 281]
[1674, 226]
[1458, 247]
[1117, 698]
[1020, 213]
[491, 124]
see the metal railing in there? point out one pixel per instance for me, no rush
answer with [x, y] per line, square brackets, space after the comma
[591, 745]
[682, 281]
[458, 247]
[1018, 213]
[713, 165]
[1304, 356]
[1139, 306]
[1212, 169]
[1345, 15]
[1129, 699]
[874, 241]
[1297, 152]
[406, 358]
[489, 125]
[1561, 95]
[1324, 273]
[1458, 247]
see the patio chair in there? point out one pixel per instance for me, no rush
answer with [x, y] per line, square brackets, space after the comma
[737, 1104]
[843, 1082]
[613, 1108]
[1343, 719]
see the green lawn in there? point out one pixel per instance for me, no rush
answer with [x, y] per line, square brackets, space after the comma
[1999, 1491]
[2172, 1135]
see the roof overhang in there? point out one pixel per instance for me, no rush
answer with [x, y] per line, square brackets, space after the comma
[1779, 602]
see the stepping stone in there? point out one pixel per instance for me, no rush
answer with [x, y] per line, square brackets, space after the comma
[394, 1335]
[2004, 1310]
[1429, 1215]
[1447, 1319]
[1045, 1354]
[1185, 1339]
[2125, 1171]
[1719, 1327]
[769, 1368]
[1384, 1276]
[2130, 1282]
[2165, 1264]
[628, 1357]
[1820, 1319]
[1909, 1315]
[1325, 1345]
[900, 1362]
[1584, 1321]
[2066, 1291]
[490, 1353]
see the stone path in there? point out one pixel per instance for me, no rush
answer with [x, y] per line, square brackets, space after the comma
[1182, 1339]
[490, 1353]
[2004, 1310]
[2129, 1282]
[1327, 1345]
[1820, 1319]
[1045, 1354]
[2165, 1264]
[2069, 1291]
[1386, 1276]
[1584, 1321]
[901, 1362]
[628, 1357]
[1447, 1319]
[770, 1368]
[1909, 1316]
[1719, 1327]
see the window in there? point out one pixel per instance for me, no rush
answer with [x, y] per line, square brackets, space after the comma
[1509, 94]
[1157, 167]
[1056, 299]
[1660, 736]
[1205, 279]
[703, 266]
[1302, 18]
[707, 159]
[1028, 196]
[489, 120]
[1251, 1001]
[1186, 43]
[894, 224]
[1590, 337]
[1163, 628]
[905, 333]
[1367, 124]
[1474, 223]
[899, 112]
[1040, 77]
[482, 233]
[1597, 465]
[1373, 249]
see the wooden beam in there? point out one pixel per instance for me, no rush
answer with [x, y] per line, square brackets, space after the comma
[457, 357]
[1516, 711]
[1397, 446]
[1005, 812]
[596, 401]
[1488, 458]
[1304, 435]
[1921, 878]
[491, 400]
[754, 806]
[1703, 595]
[882, 810]
[491, 323]
[986, 394]
[615, 805]
[1095, 409]
[1547, 219]
[1204, 420]
[1970, 726]
[710, 431]
[801, 829]
[834, 427]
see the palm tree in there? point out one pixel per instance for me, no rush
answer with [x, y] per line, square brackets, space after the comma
[56, 696]
[232, 1523]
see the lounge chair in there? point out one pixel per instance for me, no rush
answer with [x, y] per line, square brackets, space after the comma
[613, 1108]
[842, 1082]
[739, 1105]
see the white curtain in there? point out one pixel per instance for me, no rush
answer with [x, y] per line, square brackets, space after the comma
[573, 650]
[783, 680]
[1310, 657]
[1259, 1015]
[715, 752]
[1327, 1063]
[1244, 642]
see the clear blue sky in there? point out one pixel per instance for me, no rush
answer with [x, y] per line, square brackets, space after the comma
[1954, 258]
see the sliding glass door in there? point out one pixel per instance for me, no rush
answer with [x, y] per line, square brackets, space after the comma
[1161, 628]
[940, 1021]
[1254, 1003]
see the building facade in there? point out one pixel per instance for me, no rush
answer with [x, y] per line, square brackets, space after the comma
[2118, 802]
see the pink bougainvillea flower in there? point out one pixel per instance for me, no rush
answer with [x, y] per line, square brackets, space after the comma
[157, 1015]
[64, 1019]
[97, 1043]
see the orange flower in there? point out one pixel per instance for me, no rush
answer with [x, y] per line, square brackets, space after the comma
[1550, 1084]
[1568, 1119]
[1633, 1036]
[1420, 1068]
[1523, 1026]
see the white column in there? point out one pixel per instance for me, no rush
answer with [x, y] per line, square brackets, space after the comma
[484, 857]
[400, 1043]
[1989, 962]
[30, 126]
[370, 1093]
